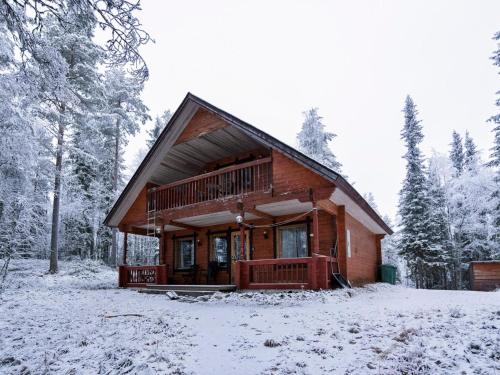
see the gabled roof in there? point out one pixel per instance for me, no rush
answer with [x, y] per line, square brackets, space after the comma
[188, 107]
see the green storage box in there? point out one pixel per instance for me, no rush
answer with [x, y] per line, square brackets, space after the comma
[387, 273]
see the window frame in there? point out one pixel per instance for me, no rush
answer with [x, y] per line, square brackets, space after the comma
[279, 250]
[176, 241]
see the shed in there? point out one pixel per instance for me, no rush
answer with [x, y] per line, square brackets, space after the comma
[485, 275]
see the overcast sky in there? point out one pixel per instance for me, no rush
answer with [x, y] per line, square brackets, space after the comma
[268, 61]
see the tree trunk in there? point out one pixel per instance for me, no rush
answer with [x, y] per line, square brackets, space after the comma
[114, 232]
[54, 238]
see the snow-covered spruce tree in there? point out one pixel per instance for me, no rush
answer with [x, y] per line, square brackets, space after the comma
[440, 255]
[158, 125]
[415, 243]
[457, 153]
[471, 154]
[495, 151]
[313, 140]
[390, 251]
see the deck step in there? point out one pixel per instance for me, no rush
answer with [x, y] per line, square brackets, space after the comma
[194, 288]
[180, 292]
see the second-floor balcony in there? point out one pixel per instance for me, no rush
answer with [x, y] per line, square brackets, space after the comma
[236, 180]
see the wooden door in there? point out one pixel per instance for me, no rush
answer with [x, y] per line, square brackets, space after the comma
[235, 250]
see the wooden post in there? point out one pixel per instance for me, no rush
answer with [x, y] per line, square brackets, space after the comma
[315, 229]
[125, 247]
[313, 274]
[162, 244]
[242, 238]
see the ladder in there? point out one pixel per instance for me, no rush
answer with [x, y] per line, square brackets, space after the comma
[337, 279]
[151, 214]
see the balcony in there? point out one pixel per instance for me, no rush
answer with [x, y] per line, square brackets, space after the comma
[237, 180]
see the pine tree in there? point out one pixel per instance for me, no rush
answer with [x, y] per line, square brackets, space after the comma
[457, 153]
[313, 140]
[125, 111]
[158, 126]
[415, 243]
[471, 158]
[69, 89]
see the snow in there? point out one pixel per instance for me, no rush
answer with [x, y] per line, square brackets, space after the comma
[74, 323]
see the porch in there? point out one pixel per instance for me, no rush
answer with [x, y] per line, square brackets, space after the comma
[313, 272]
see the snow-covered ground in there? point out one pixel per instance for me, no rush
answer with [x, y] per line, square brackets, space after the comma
[75, 323]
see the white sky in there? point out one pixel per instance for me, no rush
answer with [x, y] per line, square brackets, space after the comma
[266, 62]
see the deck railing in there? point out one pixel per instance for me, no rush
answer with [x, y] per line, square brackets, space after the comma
[250, 177]
[139, 276]
[285, 273]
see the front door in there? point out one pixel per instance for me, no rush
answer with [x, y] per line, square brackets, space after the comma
[235, 250]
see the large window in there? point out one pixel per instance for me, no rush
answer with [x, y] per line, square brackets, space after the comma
[218, 249]
[184, 253]
[292, 241]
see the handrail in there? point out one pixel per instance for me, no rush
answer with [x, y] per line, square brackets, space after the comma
[256, 262]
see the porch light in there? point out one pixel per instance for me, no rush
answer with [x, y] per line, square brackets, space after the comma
[239, 219]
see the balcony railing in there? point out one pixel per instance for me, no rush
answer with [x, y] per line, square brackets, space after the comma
[245, 178]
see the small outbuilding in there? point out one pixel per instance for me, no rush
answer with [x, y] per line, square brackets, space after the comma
[485, 275]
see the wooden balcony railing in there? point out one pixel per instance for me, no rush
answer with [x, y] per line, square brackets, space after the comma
[254, 176]
[286, 273]
[140, 276]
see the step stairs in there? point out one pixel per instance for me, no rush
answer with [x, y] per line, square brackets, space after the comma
[187, 290]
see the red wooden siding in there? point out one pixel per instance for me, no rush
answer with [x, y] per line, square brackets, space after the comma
[362, 265]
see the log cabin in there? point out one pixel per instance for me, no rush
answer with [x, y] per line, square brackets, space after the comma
[232, 205]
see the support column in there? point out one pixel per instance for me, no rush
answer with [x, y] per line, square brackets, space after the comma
[125, 247]
[242, 238]
[161, 257]
[315, 223]
[341, 236]
[378, 239]
[161, 239]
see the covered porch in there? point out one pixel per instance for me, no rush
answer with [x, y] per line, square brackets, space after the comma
[257, 241]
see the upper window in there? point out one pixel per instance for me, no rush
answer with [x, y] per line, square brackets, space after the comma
[292, 241]
[184, 253]
[218, 249]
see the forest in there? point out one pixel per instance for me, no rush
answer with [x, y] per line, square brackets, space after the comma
[70, 103]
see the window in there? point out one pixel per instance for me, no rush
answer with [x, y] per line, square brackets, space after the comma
[292, 241]
[218, 249]
[184, 253]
